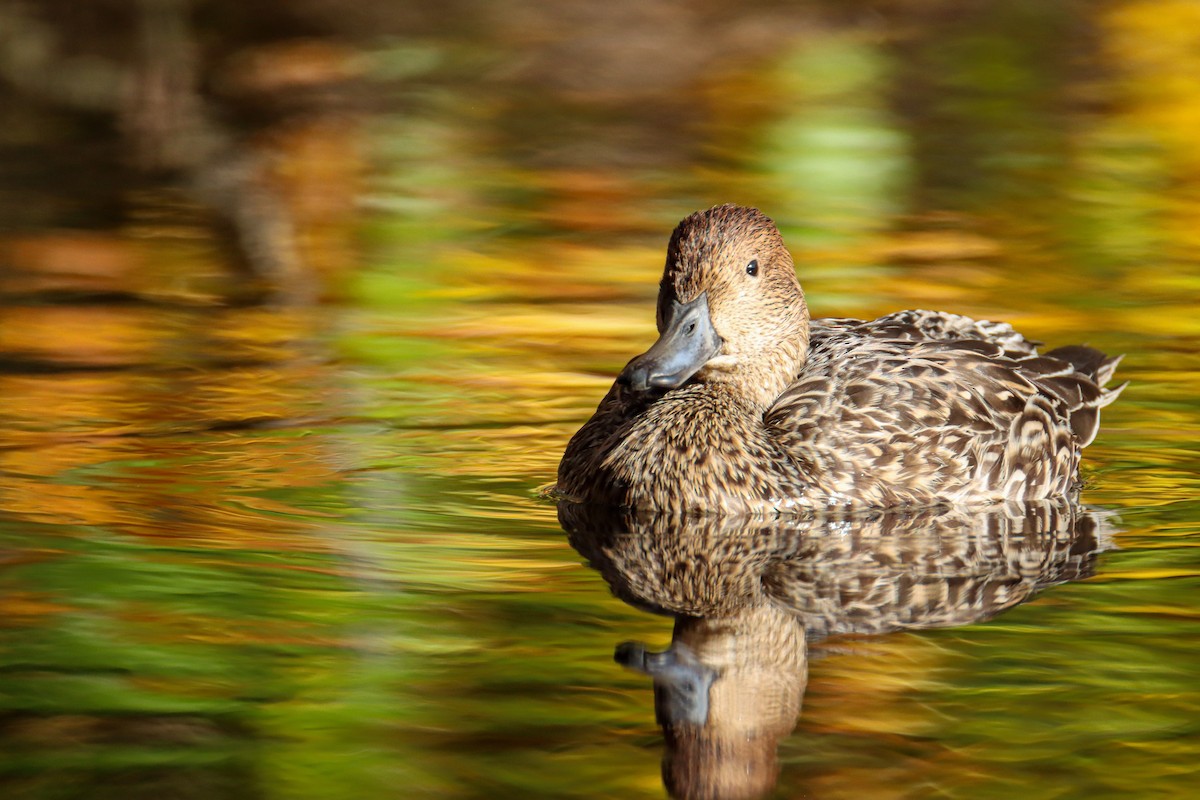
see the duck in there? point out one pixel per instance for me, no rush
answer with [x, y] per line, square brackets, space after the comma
[745, 404]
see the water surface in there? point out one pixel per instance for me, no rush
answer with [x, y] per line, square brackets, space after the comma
[285, 361]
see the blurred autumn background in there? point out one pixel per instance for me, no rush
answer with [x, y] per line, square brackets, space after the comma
[299, 303]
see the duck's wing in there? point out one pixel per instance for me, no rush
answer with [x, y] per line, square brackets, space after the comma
[1075, 374]
[939, 326]
[890, 412]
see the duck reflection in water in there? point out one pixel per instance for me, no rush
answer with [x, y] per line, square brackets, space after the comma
[750, 596]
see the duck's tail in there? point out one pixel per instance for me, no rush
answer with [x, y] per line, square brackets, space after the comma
[1085, 406]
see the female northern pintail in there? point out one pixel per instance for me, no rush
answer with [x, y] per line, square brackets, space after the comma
[744, 404]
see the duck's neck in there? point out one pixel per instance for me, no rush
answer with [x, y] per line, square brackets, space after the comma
[757, 382]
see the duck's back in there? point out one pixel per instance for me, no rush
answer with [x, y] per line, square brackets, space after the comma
[920, 407]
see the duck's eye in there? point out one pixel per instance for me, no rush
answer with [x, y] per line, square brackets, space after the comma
[752, 267]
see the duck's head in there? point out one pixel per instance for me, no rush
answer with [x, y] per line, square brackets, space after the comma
[729, 308]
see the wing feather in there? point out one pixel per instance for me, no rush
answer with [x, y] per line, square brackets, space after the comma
[940, 405]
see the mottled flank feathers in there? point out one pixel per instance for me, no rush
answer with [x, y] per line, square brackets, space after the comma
[914, 408]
